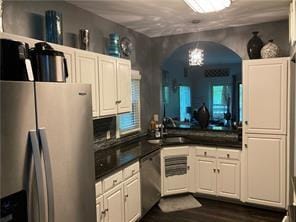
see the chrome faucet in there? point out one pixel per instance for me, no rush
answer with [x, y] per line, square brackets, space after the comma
[165, 119]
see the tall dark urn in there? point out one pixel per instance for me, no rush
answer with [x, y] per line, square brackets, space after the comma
[254, 46]
[203, 116]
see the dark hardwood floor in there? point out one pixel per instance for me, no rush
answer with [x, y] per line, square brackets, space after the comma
[214, 211]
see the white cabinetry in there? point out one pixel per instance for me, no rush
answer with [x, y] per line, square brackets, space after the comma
[118, 196]
[175, 170]
[115, 85]
[265, 131]
[217, 172]
[265, 95]
[265, 169]
[87, 72]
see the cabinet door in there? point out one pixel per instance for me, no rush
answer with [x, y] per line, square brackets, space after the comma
[113, 205]
[124, 95]
[206, 178]
[265, 169]
[228, 182]
[70, 58]
[132, 199]
[87, 72]
[265, 95]
[175, 184]
[100, 209]
[108, 86]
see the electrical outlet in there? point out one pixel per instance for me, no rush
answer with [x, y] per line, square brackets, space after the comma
[108, 135]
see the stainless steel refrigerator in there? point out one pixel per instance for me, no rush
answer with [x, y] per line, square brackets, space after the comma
[47, 161]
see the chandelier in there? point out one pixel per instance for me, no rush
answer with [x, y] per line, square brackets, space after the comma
[196, 57]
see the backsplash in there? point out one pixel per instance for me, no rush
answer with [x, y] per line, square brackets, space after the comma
[101, 126]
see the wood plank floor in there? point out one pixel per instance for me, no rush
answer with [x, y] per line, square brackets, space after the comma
[214, 211]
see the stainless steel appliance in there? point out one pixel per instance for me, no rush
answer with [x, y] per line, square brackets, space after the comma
[15, 64]
[150, 181]
[48, 64]
[47, 161]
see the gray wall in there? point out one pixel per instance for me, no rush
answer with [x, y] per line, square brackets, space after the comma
[26, 18]
[234, 38]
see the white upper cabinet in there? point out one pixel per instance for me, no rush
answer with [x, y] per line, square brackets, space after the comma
[124, 87]
[265, 95]
[87, 72]
[265, 169]
[107, 85]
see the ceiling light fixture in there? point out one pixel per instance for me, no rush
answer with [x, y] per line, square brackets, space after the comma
[196, 57]
[205, 6]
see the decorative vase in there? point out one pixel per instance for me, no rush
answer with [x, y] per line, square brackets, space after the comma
[84, 39]
[203, 116]
[254, 46]
[114, 48]
[270, 50]
[54, 27]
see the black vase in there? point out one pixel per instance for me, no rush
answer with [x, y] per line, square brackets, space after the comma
[203, 116]
[254, 46]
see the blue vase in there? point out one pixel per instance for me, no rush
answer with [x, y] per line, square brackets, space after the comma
[54, 27]
[113, 47]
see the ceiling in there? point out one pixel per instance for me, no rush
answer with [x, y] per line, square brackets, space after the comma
[214, 54]
[156, 18]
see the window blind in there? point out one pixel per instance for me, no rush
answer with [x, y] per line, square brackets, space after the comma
[129, 122]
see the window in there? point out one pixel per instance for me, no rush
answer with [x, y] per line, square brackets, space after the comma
[221, 99]
[130, 122]
[185, 102]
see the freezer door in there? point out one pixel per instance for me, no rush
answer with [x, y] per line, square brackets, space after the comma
[18, 164]
[64, 119]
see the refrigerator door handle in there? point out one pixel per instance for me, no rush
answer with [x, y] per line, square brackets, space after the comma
[48, 174]
[38, 171]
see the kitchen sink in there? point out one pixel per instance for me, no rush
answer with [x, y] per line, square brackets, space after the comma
[168, 141]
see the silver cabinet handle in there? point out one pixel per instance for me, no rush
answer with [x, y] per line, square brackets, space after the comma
[48, 174]
[38, 172]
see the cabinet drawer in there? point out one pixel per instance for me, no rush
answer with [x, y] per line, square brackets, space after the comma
[112, 181]
[206, 152]
[99, 188]
[228, 154]
[131, 170]
[175, 151]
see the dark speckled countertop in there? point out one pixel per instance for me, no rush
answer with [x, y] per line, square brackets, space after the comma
[115, 158]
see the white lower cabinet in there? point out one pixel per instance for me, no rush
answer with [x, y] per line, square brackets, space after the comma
[118, 196]
[114, 205]
[217, 172]
[132, 200]
[264, 159]
[205, 175]
[175, 170]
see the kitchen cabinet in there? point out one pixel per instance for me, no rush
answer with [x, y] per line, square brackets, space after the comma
[228, 179]
[114, 85]
[87, 72]
[175, 170]
[100, 209]
[118, 196]
[206, 178]
[265, 169]
[132, 200]
[217, 172]
[124, 86]
[265, 91]
[114, 205]
[107, 85]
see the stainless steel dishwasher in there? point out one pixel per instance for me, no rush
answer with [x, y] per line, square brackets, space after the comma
[150, 181]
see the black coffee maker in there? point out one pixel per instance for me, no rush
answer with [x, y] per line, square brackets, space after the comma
[15, 64]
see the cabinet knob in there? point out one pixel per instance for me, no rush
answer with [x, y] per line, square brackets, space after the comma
[214, 170]
[114, 182]
[228, 155]
[218, 170]
[133, 171]
[188, 167]
[246, 145]
[246, 122]
[205, 153]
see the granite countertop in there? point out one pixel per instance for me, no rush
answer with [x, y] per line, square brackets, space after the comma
[115, 158]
